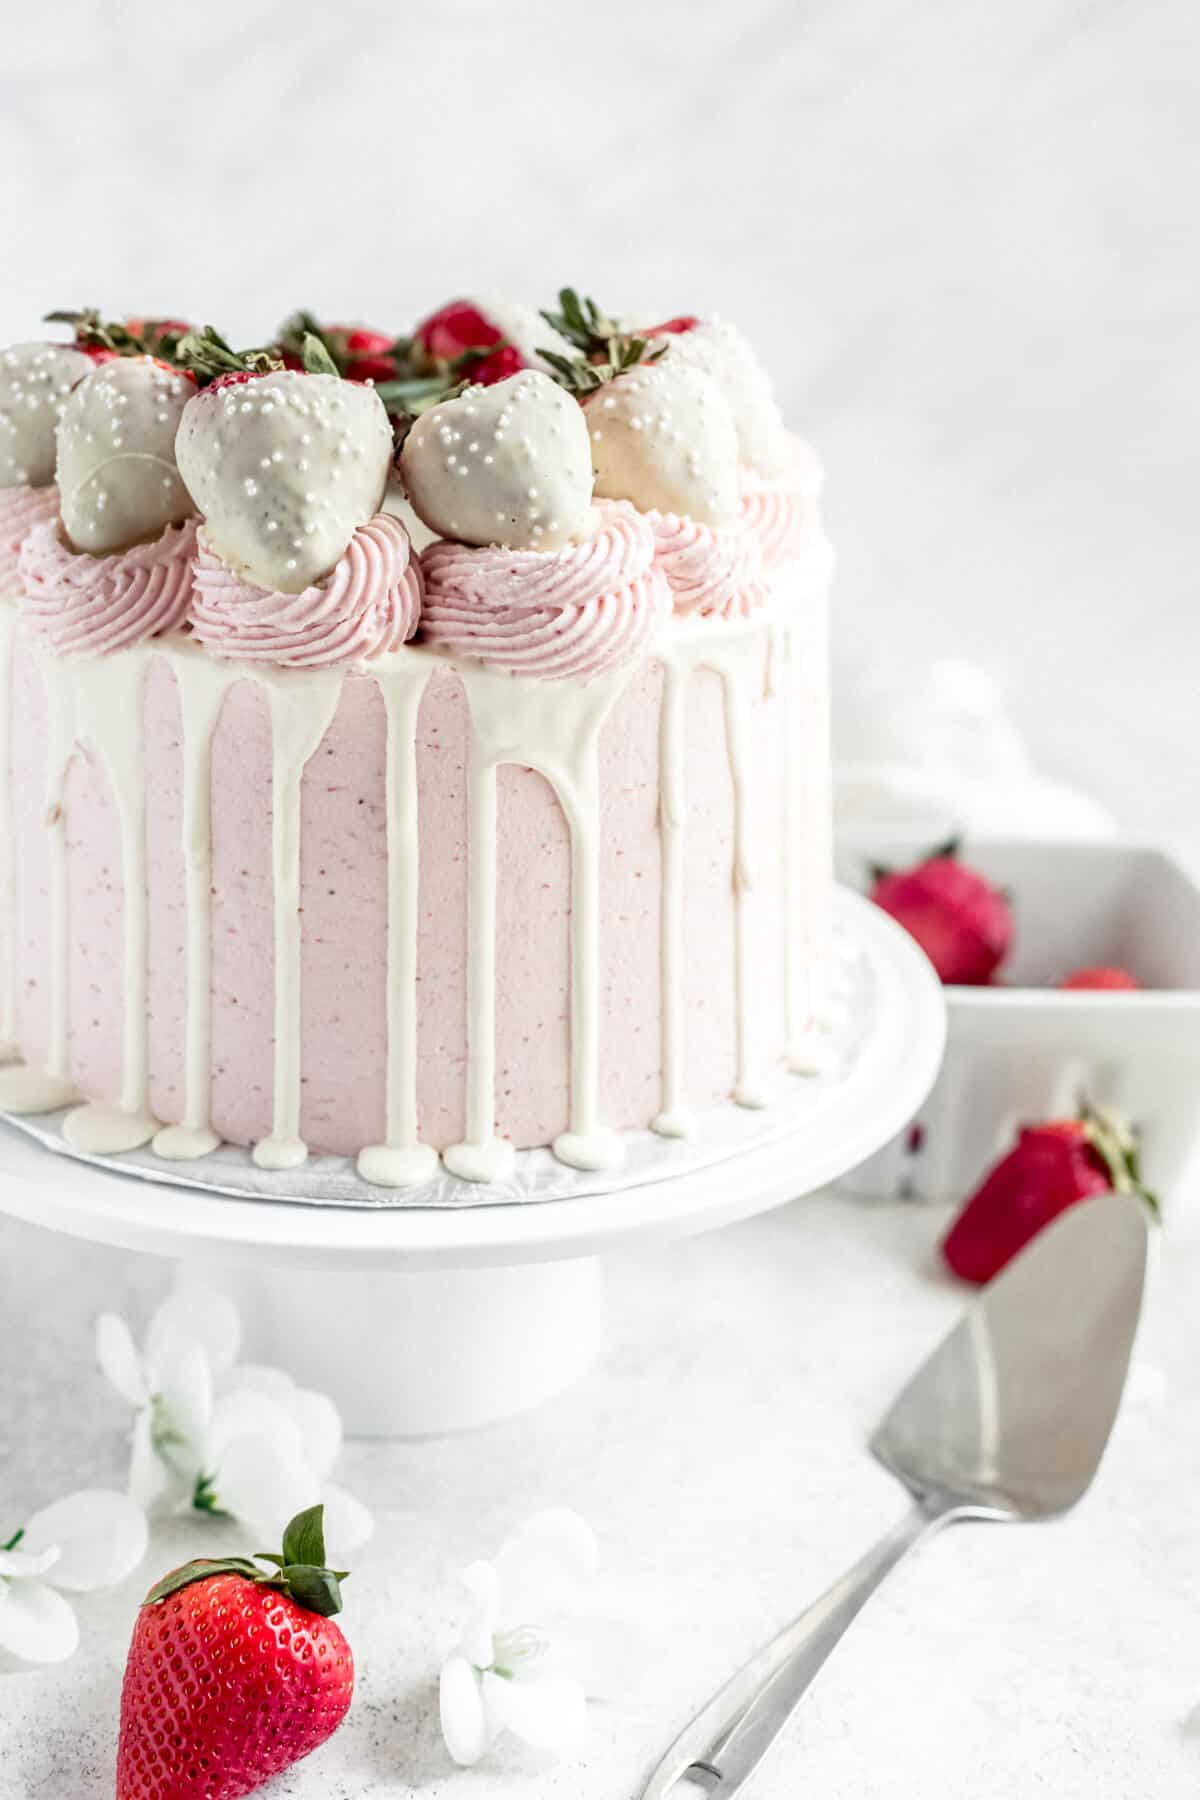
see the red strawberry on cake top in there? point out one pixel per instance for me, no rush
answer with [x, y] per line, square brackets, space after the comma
[285, 467]
[117, 475]
[514, 334]
[35, 380]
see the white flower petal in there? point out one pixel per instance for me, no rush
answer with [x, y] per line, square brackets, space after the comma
[348, 1523]
[263, 1487]
[25, 1563]
[274, 1383]
[156, 1488]
[460, 1703]
[247, 1413]
[314, 1415]
[37, 1624]
[119, 1360]
[547, 1712]
[482, 1583]
[193, 1315]
[184, 1412]
[546, 1567]
[102, 1537]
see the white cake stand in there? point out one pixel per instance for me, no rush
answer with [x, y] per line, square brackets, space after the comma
[426, 1321]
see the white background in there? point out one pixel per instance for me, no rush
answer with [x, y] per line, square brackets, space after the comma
[962, 234]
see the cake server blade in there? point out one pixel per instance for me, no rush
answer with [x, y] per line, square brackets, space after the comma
[1007, 1420]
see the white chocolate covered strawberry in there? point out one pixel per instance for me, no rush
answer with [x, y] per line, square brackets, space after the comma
[35, 380]
[284, 467]
[720, 351]
[507, 464]
[663, 437]
[116, 471]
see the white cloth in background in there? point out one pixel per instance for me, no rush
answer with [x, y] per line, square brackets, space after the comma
[940, 752]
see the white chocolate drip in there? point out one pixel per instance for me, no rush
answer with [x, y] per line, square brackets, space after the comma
[8, 898]
[551, 727]
[202, 684]
[402, 1160]
[107, 694]
[734, 652]
[60, 750]
[302, 709]
[808, 810]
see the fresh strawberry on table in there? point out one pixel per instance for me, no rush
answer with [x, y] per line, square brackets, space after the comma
[963, 923]
[235, 1672]
[1051, 1167]
[1102, 977]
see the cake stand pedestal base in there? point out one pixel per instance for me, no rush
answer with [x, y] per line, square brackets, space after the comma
[430, 1319]
[416, 1355]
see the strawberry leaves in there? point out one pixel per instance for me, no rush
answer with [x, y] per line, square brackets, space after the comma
[605, 351]
[300, 1572]
[317, 360]
[207, 355]
[130, 337]
[1115, 1143]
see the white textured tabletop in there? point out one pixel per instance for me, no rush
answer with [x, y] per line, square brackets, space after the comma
[718, 1450]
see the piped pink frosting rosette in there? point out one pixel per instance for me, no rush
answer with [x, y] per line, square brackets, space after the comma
[367, 605]
[21, 508]
[85, 605]
[784, 514]
[713, 571]
[556, 613]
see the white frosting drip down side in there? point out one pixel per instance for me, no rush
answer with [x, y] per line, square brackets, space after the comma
[553, 728]
[402, 1160]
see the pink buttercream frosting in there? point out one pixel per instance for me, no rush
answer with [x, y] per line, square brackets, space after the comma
[571, 612]
[21, 508]
[783, 514]
[713, 571]
[367, 605]
[85, 605]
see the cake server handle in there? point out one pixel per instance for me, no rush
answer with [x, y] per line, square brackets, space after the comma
[724, 1745]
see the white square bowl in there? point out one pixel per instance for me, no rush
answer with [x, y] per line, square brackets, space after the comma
[1026, 1051]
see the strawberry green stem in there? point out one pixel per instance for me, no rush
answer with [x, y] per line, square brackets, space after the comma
[299, 1572]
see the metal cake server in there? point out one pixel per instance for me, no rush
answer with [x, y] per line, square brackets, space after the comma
[1007, 1420]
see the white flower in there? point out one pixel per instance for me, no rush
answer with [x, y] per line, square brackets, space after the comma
[193, 1336]
[85, 1541]
[509, 1671]
[243, 1441]
[268, 1450]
